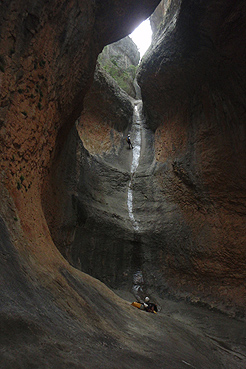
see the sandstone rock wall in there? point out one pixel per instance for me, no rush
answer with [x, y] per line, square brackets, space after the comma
[189, 188]
[86, 211]
[48, 52]
[191, 238]
[195, 103]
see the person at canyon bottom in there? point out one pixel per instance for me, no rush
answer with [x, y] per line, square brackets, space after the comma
[149, 307]
[129, 142]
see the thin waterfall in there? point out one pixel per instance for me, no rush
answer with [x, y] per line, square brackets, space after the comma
[136, 141]
[138, 281]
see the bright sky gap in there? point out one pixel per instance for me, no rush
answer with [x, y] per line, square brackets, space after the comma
[142, 36]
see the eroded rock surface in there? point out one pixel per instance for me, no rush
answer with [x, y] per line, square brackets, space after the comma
[88, 215]
[53, 315]
[194, 101]
[191, 236]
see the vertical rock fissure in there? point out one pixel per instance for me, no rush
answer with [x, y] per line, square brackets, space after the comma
[136, 141]
[136, 136]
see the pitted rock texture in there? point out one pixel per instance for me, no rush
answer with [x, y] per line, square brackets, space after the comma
[48, 53]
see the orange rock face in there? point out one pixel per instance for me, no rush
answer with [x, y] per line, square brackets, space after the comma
[48, 53]
[40, 97]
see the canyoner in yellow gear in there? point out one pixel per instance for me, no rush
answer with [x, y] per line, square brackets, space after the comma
[146, 306]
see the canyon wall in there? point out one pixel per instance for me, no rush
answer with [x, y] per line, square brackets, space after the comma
[86, 206]
[65, 173]
[188, 190]
[120, 60]
[48, 53]
[192, 87]
[157, 19]
[41, 43]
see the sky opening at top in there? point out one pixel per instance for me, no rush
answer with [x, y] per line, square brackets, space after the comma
[142, 37]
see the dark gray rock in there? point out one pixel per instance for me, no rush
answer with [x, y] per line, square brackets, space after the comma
[191, 82]
[157, 18]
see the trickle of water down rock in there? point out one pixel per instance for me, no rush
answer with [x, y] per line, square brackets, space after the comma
[136, 141]
[138, 280]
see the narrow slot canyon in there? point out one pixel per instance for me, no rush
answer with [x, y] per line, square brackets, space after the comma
[136, 141]
[89, 223]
